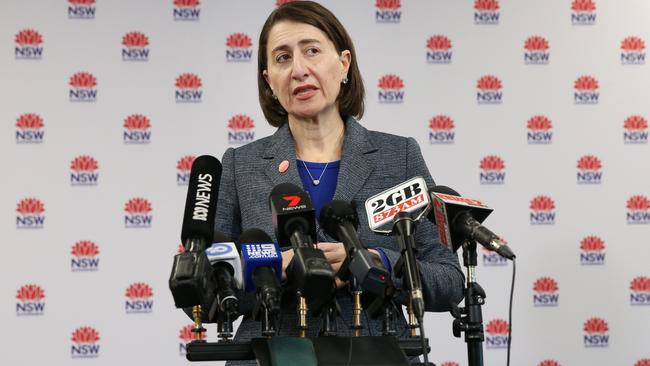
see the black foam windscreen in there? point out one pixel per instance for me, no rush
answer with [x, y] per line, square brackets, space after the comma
[201, 202]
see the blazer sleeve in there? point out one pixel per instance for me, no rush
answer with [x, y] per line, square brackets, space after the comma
[442, 278]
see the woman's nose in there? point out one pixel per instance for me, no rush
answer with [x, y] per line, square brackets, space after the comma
[299, 68]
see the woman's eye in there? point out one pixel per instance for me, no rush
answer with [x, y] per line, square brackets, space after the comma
[312, 51]
[281, 58]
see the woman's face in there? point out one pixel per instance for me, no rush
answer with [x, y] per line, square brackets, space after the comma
[304, 69]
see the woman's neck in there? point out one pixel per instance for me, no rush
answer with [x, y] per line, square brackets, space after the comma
[318, 139]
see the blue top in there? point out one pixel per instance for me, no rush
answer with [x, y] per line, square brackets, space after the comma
[322, 193]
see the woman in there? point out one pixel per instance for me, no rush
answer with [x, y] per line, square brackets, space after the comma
[311, 89]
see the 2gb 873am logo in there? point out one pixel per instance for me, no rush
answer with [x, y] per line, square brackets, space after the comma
[492, 170]
[138, 213]
[638, 210]
[497, 334]
[183, 168]
[187, 10]
[30, 300]
[596, 333]
[28, 45]
[30, 214]
[138, 298]
[29, 129]
[84, 171]
[545, 292]
[85, 256]
[85, 343]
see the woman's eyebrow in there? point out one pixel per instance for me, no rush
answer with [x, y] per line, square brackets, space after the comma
[302, 42]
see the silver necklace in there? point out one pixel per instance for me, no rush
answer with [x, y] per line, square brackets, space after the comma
[315, 181]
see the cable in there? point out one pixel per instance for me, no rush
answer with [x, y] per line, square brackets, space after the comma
[512, 290]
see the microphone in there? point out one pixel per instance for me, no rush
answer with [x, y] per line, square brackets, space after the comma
[294, 224]
[408, 196]
[394, 206]
[191, 278]
[201, 203]
[226, 266]
[262, 267]
[340, 221]
[459, 218]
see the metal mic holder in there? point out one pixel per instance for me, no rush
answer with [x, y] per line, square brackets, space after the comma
[470, 318]
[268, 322]
[356, 307]
[199, 331]
[328, 317]
[224, 327]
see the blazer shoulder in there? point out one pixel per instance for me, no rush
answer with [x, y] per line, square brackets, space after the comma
[253, 149]
[393, 145]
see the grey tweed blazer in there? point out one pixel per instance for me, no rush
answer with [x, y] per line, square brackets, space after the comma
[371, 162]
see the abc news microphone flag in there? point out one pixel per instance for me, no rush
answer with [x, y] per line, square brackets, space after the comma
[537, 109]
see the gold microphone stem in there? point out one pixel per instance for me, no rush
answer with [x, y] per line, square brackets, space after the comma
[413, 321]
[302, 316]
[356, 313]
[198, 323]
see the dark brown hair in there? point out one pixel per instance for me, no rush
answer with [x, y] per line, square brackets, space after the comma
[350, 97]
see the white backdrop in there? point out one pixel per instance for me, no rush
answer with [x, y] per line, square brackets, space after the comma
[527, 103]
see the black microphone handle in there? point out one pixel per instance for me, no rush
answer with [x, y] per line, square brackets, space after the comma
[472, 229]
[405, 228]
[346, 233]
[268, 288]
[226, 295]
[299, 239]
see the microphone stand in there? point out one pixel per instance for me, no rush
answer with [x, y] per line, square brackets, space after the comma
[224, 323]
[267, 317]
[472, 321]
[329, 320]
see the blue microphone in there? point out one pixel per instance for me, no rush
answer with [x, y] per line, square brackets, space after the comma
[261, 267]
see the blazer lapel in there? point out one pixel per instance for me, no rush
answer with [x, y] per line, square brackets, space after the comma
[355, 165]
[281, 148]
